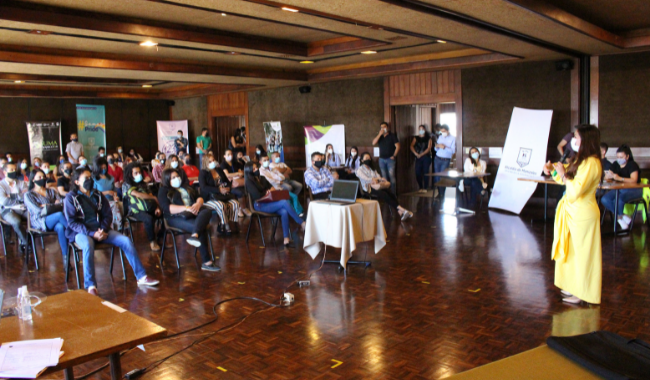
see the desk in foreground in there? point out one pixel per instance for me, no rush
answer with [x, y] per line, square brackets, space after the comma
[89, 330]
[540, 363]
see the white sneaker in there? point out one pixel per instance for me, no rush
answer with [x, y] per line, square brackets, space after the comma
[624, 225]
[627, 219]
[461, 186]
[407, 214]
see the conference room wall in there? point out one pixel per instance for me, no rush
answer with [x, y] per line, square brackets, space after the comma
[130, 123]
[490, 93]
[195, 111]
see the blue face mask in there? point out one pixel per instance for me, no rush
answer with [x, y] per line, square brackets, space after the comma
[277, 160]
[61, 161]
[83, 162]
[621, 161]
[475, 155]
[265, 164]
[137, 178]
[104, 171]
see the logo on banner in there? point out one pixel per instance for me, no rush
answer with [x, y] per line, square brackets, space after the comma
[523, 159]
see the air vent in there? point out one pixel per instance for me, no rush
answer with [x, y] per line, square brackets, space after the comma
[396, 38]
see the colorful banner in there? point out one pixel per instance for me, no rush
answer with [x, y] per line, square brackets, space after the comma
[273, 134]
[317, 137]
[91, 128]
[524, 155]
[167, 136]
[44, 140]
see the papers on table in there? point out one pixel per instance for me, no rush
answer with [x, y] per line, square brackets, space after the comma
[28, 359]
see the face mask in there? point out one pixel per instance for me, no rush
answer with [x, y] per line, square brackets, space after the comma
[475, 155]
[318, 164]
[384, 130]
[110, 161]
[445, 134]
[83, 162]
[188, 162]
[23, 166]
[10, 159]
[256, 173]
[180, 136]
[212, 165]
[67, 171]
[104, 171]
[421, 132]
[162, 161]
[119, 151]
[258, 152]
[228, 158]
[367, 162]
[176, 182]
[137, 178]
[574, 145]
[621, 161]
[36, 164]
[174, 164]
[46, 170]
[330, 151]
[353, 154]
[277, 160]
[101, 155]
[61, 161]
[265, 164]
[40, 182]
[12, 175]
[75, 140]
[88, 184]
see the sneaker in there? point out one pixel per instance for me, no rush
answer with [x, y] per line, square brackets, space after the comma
[148, 281]
[290, 244]
[193, 241]
[627, 219]
[92, 291]
[154, 246]
[566, 294]
[461, 186]
[573, 299]
[624, 225]
[407, 214]
[212, 267]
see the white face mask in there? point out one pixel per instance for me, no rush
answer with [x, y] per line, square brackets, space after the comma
[23, 166]
[176, 182]
[119, 151]
[353, 154]
[384, 130]
[137, 178]
[174, 164]
[228, 158]
[265, 164]
[101, 155]
[258, 152]
[330, 151]
[574, 145]
[46, 170]
[212, 165]
[421, 132]
[475, 155]
[444, 133]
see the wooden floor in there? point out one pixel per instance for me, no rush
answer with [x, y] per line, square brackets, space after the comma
[445, 295]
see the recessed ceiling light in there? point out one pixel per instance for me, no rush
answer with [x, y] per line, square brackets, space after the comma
[289, 9]
[369, 52]
[146, 86]
[19, 81]
[442, 42]
[306, 62]
[223, 14]
[39, 32]
[148, 43]
[234, 53]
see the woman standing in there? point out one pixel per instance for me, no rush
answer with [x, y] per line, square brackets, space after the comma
[421, 148]
[576, 244]
[474, 164]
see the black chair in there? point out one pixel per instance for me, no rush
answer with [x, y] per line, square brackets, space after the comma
[75, 249]
[636, 203]
[3, 224]
[33, 232]
[275, 219]
[178, 232]
[367, 195]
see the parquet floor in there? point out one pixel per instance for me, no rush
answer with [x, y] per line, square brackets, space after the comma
[445, 295]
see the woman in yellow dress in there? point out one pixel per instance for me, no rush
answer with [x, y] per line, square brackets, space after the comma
[576, 244]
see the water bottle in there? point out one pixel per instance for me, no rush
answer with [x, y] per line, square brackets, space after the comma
[19, 304]
[26, 305]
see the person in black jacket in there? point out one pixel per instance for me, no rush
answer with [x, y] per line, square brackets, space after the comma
[182, 207]
[215, 191]
[257, 187]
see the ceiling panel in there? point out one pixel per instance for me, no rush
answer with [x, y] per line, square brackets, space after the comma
[615, 16]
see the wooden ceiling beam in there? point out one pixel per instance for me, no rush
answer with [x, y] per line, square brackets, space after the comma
[204, 90]
[54, 16]
[69, 79]
[341, 44]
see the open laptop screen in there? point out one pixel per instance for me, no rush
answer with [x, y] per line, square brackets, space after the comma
[345, 191]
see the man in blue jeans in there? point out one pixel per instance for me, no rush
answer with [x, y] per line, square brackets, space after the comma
[89, 219]
[388, 149]
[445, 148]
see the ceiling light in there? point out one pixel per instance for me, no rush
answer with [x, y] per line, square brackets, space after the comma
[223, 14]
[369, 52]
[146, 86]
[19, 81]
[442, 42]
[234, 53]
[39, 32]
[306, 62]
[148, 43]
[289, 9]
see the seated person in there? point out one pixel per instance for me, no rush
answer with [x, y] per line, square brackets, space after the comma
[142, 204]
[105, 184]
[83, 163]
[473, 164]
[604, 161]
[62, 160]
[115, 171]
[182, 207]
[101, 152]
[190, 170]
[24, 171]
[234, 170]
[89, 222]
[625, 170]
[282, 168]
[158, 168]
[135, 156]
[37, 163]
[277, 180]
[332, 160]
[369, 177]
[318, 178]
[120, 155]
[181, 158]
[63, 182]
[257, 187]
[259, 152]
[50, 178]
[39, 200]
[352, 163]
[12, 190]
[215, 191]
[240, 159]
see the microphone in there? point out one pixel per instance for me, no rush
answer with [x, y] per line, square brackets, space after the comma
[564, 156]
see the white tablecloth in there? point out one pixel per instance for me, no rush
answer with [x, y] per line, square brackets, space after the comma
[341, 227]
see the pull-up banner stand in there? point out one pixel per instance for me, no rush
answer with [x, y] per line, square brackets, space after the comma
[44, 140]
[524, 155]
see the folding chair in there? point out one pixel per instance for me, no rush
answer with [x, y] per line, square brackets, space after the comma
[178, 232]
[275, 219]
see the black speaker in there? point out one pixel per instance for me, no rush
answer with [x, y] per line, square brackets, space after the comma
[564, 65]
[304, 89]
[171, 103]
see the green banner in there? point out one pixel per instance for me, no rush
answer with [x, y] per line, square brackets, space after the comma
[91, 128]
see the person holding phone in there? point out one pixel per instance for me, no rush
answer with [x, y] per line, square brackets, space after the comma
[388, 149]
[624, 170]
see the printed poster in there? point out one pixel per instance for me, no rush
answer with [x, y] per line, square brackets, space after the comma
[167, 135]
[44, 140]
[91, 128]
[273, 138]
[318, 136]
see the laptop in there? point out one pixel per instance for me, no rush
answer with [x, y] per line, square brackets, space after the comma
[344, 192]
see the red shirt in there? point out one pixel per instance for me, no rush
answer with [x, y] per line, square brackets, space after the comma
[117, 173]
[192, 172]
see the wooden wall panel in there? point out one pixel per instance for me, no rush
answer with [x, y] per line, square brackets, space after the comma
[422, 88]
[230, 104]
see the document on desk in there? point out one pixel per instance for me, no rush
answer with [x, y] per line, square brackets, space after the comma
[28, 359]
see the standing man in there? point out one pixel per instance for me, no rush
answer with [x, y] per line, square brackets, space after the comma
[180, 143]
[204, 142]
[74, 149]
[318, 178]
[388, 149]
[13, 209]
[445, 148]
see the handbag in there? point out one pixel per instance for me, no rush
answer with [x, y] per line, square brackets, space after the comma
[51, 209]
[274, 196]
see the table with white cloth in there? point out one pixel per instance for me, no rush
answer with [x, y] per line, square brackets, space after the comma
[343, 226]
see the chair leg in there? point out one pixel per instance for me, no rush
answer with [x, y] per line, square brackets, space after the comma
[130, 230]
[110, 267]
[76, 269]
[66, 262]
[34, 250]
[122, 260]
[274, 222]
[162, 249]
[248, 233]
[4, 244]
[259, 220]
[178, 263]
[42, 242]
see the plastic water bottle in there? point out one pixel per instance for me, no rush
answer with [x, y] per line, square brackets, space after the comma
[19, 304]
[26, 305]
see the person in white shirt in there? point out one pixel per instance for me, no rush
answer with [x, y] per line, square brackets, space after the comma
[474, 164]
[373, 183]
[12, 205]
[282, 168]
[74, 149]
[277, 181]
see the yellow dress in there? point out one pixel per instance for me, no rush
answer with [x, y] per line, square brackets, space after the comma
[576, 245]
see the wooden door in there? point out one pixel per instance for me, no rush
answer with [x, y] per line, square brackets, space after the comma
[224, 128]
[405, 123]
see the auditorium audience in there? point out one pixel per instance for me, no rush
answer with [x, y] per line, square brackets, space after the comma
[373, 183]
[45, 207]
[257, 187]
[182, 207]
[141, 203]
[282, 168]
[474, 164]
[625, 170]
[36, 163]
[234, 170]
[120, 154]
[604, 161]
[445, 148]
[74, 149]
[388, 148]
[332, 159]
[12, 189]
[318, 178]
[277, 181]
[105, 184]
[421, 148]
[172, 162]
[63, 182]
[89, 223]
[215, 191]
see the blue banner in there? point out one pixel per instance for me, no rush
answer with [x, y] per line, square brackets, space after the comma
[91, 128]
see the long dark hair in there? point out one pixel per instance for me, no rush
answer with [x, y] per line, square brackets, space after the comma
[249, 168]
[625, 149]
[185, 183]
[32, 175]
[350, 156]
[472, 158]
[426, 133]
[262, 151]
[128, 175]
[97, 167]
[75, 177]
[369, 156]
[589, 147]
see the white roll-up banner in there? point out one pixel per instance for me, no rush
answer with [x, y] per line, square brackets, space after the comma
[524, 155]
[167, 137]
